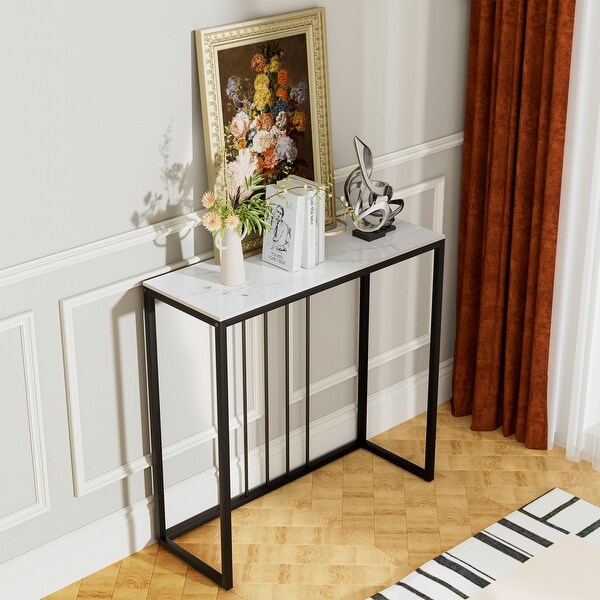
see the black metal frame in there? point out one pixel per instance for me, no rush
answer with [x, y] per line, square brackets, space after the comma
[166, 536]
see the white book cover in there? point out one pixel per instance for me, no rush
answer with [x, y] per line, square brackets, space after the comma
[319, 192]
[282, 244]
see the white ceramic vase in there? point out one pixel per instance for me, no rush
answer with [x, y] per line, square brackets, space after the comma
[229, 244]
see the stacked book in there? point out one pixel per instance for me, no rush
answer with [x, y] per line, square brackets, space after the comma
[297, 235]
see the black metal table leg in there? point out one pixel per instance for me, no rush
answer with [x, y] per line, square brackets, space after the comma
[154, 407]
[307, 385]
[363, 358]
[223, 452]
[245, 408]
[434, 360]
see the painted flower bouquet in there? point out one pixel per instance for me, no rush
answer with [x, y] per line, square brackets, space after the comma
[238, 201]
[269, 116]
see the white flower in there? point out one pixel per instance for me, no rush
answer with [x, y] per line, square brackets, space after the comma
[212, 221]
[238, 171]
[277, 133]
[262, 141]
[286, 149]
[281, 120]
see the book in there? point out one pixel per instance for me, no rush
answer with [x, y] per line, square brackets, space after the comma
[318, 193]
[310, 250]
[282, 244]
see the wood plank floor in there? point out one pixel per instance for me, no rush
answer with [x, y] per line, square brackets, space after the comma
[356, 526]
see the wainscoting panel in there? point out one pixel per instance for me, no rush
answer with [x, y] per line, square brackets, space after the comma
[25, 492]
[106, 391]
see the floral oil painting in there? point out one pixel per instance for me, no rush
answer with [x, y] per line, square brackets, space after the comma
[266, 108]
[263, 91]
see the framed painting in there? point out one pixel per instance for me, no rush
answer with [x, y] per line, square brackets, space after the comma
[263, 88]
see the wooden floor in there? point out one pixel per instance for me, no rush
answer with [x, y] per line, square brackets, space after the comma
[357, 525]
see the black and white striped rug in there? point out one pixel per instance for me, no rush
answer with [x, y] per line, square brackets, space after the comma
[498, 550]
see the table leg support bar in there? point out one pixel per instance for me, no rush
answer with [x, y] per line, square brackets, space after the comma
[434, 360]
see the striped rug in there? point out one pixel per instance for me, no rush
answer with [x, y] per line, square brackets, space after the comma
[498, 550]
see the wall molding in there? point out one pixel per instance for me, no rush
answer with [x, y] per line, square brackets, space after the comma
[181, 225]
[438, 185]
[393, 159]
[325, 383]
[81, 484]
[120, 534]
[23, 322]
[71, 557]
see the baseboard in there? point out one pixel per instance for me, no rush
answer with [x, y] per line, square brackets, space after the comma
[77, 554]
[406, 399]
[118, 535]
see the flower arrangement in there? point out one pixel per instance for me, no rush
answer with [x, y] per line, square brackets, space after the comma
[269, 116]
[260, 143]
[238, 201]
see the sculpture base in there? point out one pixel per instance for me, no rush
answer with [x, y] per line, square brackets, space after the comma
[369, 236]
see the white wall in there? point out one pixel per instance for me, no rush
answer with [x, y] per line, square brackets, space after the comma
[90, 91]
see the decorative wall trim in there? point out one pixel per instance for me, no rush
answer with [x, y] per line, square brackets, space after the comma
[378, 360]
[23, 322]
[399, 157]
[406, 399]
[178, 225]
[77, 554]
[81, 484]
[90, 548]
[438, 185]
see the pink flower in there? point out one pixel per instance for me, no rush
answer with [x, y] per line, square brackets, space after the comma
[208, 200]
[212, 221]
[240, 124]
[232, 221]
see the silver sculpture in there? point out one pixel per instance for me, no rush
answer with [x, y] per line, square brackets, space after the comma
[370, 202]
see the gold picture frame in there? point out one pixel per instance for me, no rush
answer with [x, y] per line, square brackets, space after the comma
[275, 71]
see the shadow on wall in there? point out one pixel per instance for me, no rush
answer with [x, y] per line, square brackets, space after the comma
[128, 306]
[176, 197]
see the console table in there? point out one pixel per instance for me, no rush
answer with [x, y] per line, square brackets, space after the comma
[195, 290]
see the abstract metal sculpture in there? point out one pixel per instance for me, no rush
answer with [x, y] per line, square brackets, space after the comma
[370, 202]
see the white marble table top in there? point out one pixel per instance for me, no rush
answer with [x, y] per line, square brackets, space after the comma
[198, 287]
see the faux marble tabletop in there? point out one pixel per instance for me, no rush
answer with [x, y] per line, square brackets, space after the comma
[197, 286]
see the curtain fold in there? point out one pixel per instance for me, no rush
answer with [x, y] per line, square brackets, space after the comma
[517, 86]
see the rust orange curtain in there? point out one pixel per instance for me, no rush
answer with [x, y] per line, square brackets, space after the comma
[517, 84]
